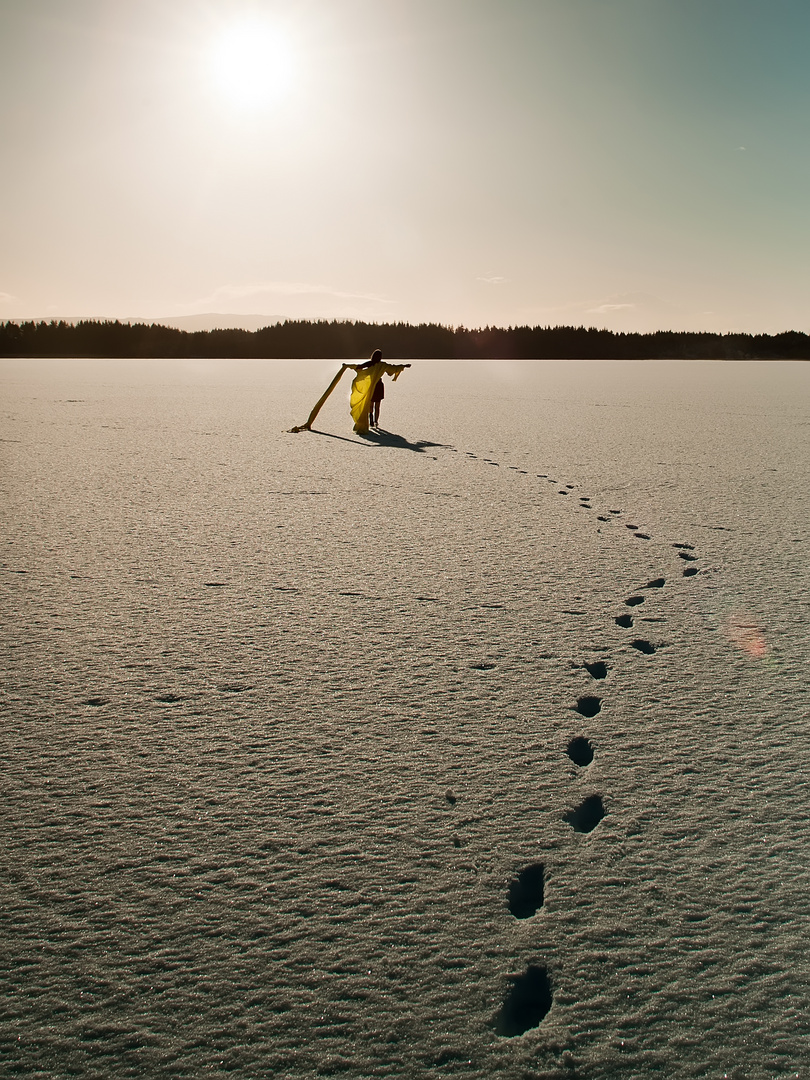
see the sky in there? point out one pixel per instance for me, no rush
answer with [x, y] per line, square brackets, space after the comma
[629, 164]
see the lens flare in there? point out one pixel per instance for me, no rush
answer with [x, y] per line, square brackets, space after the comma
[746, 633]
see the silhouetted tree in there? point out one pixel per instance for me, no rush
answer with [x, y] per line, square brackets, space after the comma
[345, 340]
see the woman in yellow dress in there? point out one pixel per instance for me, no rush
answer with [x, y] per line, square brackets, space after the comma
[364, 386]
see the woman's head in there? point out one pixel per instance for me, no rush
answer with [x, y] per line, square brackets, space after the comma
[376, 356]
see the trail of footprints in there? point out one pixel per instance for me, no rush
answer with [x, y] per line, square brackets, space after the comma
[530, 994]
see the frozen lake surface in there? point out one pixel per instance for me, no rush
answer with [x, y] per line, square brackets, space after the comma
[479, 750]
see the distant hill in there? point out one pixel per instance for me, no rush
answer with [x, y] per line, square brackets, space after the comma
[213, 320]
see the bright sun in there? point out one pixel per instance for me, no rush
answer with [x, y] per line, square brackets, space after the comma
[252, 65]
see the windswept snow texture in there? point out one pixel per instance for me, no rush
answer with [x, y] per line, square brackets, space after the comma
[298, 729]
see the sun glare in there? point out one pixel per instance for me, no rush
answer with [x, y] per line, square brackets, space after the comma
[252, 65]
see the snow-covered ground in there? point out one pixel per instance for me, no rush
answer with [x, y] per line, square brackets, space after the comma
[303, 770]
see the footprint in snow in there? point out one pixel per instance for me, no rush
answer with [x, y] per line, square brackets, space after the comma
[527, 1002]
[588, 705]
[580, 750]
[585, 817]
[598, 669]
[526, 891]
[643, 646]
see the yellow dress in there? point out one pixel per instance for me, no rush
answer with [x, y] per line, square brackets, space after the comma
[363, 390]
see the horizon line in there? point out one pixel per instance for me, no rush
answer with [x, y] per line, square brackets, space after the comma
[74, 320]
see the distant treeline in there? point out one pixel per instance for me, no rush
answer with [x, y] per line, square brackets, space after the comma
[398, 341]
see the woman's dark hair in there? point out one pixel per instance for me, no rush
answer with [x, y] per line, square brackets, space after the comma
[376, 356]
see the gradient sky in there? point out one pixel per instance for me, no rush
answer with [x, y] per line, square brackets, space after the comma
[635, 164]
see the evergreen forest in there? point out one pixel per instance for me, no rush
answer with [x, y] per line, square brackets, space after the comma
[344, 340]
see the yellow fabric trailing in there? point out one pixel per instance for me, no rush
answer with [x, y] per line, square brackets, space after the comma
[363, 389]
[318, 404]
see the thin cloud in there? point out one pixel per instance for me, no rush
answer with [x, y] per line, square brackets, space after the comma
[636, 311]
[603, 309]
[493, 280]
[641, 302]
[7, 298]
[259, 289]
